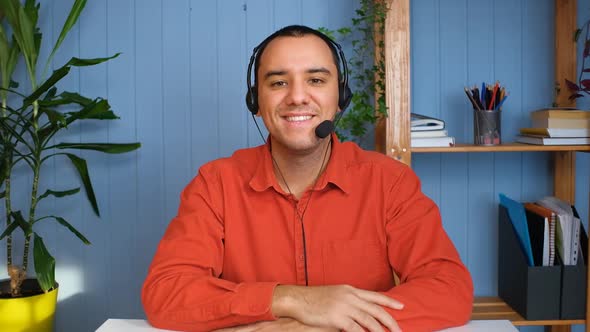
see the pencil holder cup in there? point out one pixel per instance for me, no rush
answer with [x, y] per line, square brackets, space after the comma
[487, 127]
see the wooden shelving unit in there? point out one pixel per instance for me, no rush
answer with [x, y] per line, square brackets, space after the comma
[494, 308]
[393, 133]
[508, 147]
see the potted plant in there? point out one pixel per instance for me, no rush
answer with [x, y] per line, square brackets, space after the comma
[366, 68]
[28, 127]
[582, 86]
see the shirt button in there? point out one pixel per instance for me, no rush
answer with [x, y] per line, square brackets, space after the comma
[301, 257]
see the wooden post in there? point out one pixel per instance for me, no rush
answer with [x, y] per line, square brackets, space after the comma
[565, 49]
[397, 80]
[564, 175]
[565, 67]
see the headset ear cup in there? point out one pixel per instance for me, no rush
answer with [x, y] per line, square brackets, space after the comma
[252, 100]
[344, 97]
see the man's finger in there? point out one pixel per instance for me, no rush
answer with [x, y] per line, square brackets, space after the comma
[364, 319]
[352, 326]
[382, 316]
[379, 298]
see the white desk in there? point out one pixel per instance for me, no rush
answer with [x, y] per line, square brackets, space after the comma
[140, 325]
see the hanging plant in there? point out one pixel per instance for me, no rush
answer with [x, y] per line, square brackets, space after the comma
[366, 68]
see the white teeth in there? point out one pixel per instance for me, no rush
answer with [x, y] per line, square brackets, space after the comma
[298, 118]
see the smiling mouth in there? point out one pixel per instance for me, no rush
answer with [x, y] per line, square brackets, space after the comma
[298, 118]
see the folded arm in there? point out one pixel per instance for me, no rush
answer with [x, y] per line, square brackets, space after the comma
[436, 288]
[183, 290]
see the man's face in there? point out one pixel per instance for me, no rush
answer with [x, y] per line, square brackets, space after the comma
[297, 90]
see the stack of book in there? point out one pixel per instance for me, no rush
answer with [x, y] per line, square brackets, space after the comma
[428, 132]
[554, 126]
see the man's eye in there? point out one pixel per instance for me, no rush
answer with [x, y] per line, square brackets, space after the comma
[316, 81]
[278, 83]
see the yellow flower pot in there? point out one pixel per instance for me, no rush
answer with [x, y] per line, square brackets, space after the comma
[28, 313]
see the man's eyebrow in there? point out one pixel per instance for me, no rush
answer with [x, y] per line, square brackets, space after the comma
[274, 73]
[323, 70]
[319, 70]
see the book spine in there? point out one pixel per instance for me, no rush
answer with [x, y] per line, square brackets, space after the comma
[552, 240]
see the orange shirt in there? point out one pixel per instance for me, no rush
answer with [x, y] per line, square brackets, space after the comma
[237, 235]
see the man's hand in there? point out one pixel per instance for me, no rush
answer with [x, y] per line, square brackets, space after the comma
[341, 307]
[281, 324]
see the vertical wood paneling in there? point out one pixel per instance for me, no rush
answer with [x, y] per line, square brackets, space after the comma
[204, 65]
[69, 270]
[287, 13]
[232, 115]
[507, 15]
[93, 83]
[453, 72]
[125, 272]
[176, 102]
[582, 186]
[315, 16]
[149, 105]
[583, 159]
[259, 24]
[425, 54]
[537, 21]
[481, 221]
[508, 53]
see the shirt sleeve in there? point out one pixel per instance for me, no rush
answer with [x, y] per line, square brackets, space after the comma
[435, 287]
[183, 289]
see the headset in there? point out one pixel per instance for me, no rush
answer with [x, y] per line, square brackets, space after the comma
[344, 92]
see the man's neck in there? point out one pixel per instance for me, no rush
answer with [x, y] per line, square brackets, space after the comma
[296, 172]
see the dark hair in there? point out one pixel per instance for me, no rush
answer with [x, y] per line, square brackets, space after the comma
[344, 92]
[294, 31]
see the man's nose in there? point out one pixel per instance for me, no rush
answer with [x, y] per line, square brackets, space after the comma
[298, 93]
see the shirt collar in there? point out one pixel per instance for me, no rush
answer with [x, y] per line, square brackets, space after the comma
[334, 174]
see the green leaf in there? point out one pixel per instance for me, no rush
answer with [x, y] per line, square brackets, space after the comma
[59, 193]
[73, 16]
[50, 94]
[12, 9]
[48, 84]
[8, 60]
[75, 97]
[32, 11]
[98, 109]
[13, 84]
[77, 62]
[2, 194]
[5, 126]
[82, 169]
[44, 264]
[27, 36]
[55, 117]
[9, 230]
[4, 49]
[17, 221]
[102, 147]
[3, 164]
[66, 98]
[64, 223]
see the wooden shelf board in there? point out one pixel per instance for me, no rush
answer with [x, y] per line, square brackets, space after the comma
[506, 147]
[490, 307]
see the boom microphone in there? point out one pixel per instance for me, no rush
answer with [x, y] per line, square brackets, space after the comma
[324, 129]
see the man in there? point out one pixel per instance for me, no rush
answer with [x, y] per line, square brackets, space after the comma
[305, 233]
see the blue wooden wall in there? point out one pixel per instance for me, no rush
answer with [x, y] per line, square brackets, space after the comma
[179, 88]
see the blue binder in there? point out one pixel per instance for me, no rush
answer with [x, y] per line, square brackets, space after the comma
[517, 215]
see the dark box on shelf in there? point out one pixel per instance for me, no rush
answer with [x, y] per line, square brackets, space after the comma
[573, 292]
[532, 291]
[573, 282]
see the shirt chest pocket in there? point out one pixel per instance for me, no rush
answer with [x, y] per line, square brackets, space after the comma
[357, 263]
